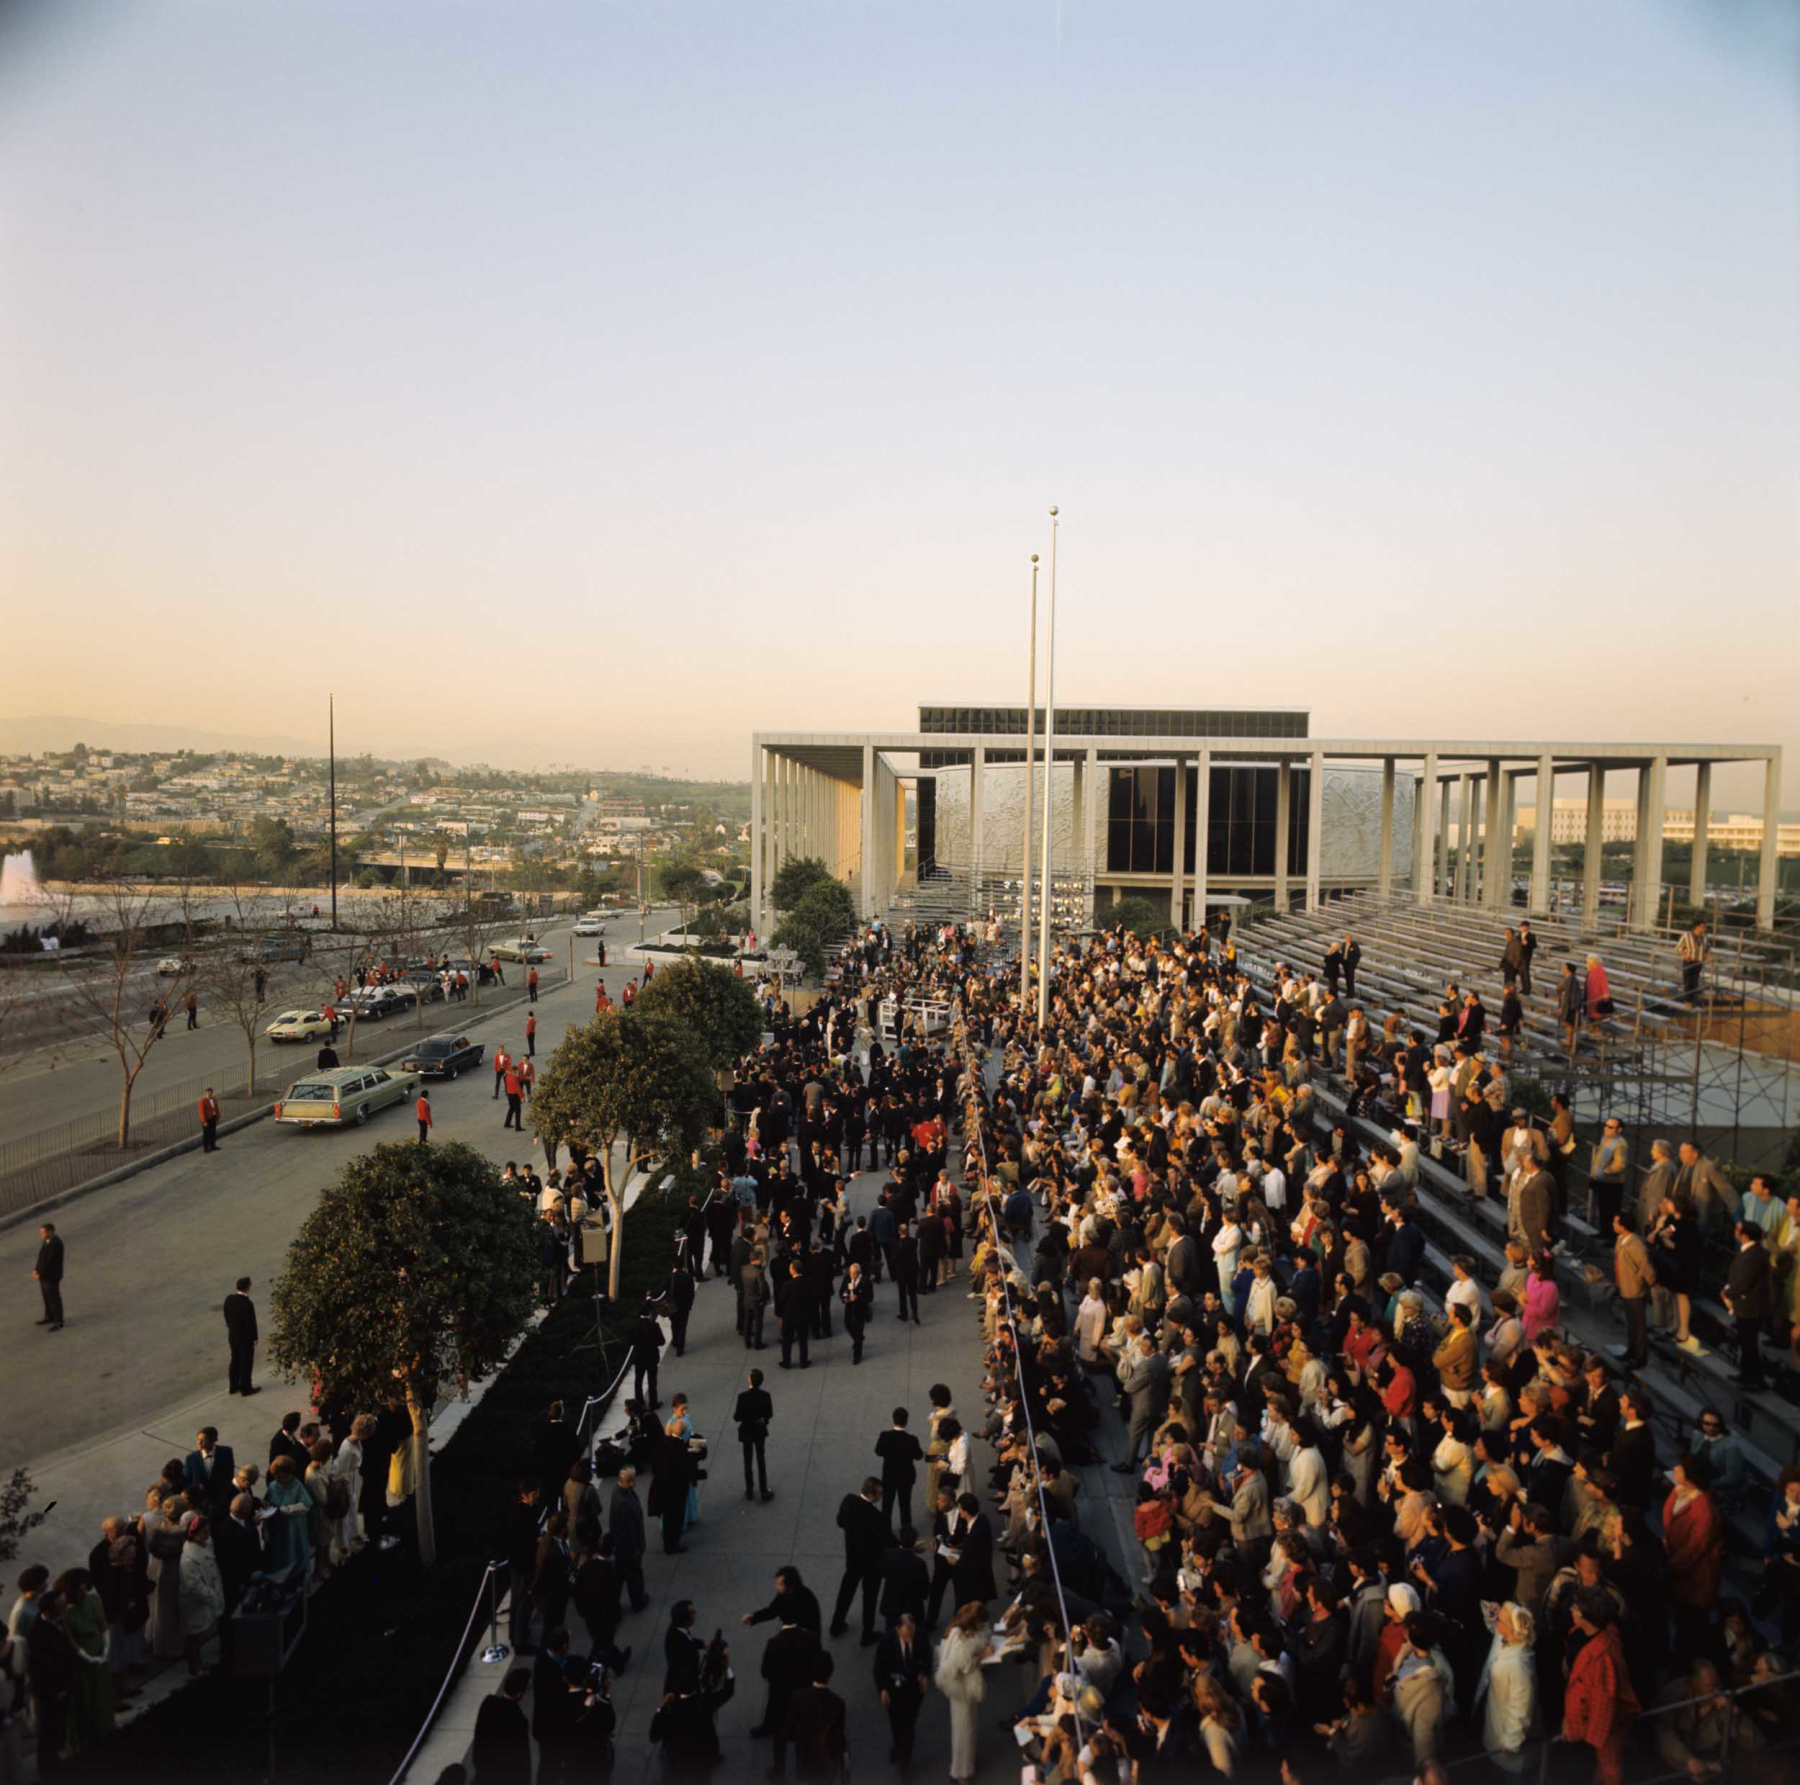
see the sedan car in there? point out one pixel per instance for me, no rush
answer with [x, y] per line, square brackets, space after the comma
[521, 948]
[345, 1095]
[444, 1056]
[380, 1000]
[173, 964]
[299, 1025]
[590, 926]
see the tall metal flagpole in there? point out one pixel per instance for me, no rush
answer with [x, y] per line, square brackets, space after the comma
[1043, 1008]
[331, 723]
[1030, 771]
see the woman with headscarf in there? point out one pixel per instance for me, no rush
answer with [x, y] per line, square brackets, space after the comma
[1508, 1685]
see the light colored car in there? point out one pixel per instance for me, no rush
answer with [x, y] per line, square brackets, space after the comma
[299, 1025]
[344, 1095]
[590, 925]
[172, 965]
[521, 948]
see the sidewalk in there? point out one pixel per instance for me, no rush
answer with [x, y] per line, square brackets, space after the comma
[821, 1445]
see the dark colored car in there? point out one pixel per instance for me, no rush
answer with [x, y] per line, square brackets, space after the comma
[444, 1056]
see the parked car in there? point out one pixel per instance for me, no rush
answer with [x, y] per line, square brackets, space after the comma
[382, 1000]
[293, 946]
[173, 964]
[344, 1095]
[444, 1056]
[299, 1025]
[521, 948]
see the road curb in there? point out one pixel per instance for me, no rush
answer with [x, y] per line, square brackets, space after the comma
[38, 1210]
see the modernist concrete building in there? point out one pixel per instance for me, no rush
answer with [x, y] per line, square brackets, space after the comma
[1282, 814]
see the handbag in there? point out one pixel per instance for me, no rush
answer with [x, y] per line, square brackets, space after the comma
[1604, 1007]
[696, 1448]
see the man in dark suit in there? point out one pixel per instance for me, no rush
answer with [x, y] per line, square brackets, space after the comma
[1632, 1456]
[866, 1536]
[502, 1750]
[1164, 1739]
[753, 1412]
[519, 1536]
[241, 1334]
[208, 1469]
[237, 1544]
[49, 1274]
[684, 1651]
[903, 1677]
[794, 1308]
[946, 1533]
[972, 1574]
[815, 1725]
[681, 1303]
[646, 1349]
[900, 1458]
[1747, 1296]
[905, 1580]
[669, 1489]
[905, 1263]
[286, 1443]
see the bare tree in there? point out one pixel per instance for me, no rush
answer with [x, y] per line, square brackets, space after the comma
[117, 986]
[235, 977]
[476, 931]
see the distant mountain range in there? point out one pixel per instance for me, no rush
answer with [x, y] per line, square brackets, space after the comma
[58, 731]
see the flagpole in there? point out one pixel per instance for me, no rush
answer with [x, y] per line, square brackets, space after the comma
[1030, 772]
[1043, 1003]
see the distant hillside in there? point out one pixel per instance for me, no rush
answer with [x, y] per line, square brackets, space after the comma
[56, 731]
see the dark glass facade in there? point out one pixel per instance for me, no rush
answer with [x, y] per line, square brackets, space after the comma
[1121, 722]
[1240, 828]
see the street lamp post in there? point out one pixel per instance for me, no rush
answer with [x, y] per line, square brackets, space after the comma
[1030, 771]
[1043, 1008]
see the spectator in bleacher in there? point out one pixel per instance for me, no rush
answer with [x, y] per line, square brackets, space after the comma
[1725, 1458]
[1674, 1242]
[1746, 1296]
[1560, 1138]
[1694, 950]
[1471, 1021]
[1703, 1187]
[1597, 1000]
[1571, 1002]
[1606, 1174]
[1659, 1181]
[1635, 1277]
[1527, 948]
[1512, 958]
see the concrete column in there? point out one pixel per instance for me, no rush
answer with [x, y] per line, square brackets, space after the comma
[1384, 859]
[1175, 880]
[1202, 812]
[1315, 828]
[977, 775]
[1593, 850]
[1441, 800]
[1767, 869]
[1465, 826]
[1509, 800]
[1494, 879]
[866, 832]
[1078, 808]
[758, 770]
[1539, 900]
[1098, 788]
[1284, 796]
[1702, 825]
[1652, 782]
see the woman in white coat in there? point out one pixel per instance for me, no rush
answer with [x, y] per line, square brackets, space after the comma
[960, 1680]
[1090, 1324]
[202, 1590]
[1509, 1686]
[1226, 1244]
[347, 1467]
[1309, 1480]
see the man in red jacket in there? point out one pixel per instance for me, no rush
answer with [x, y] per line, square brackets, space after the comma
[423, 1110]
[502, 1060]
[1599, 1703]
[531, 985]
[530, 1036]
[515, 1117]
[209, 1122]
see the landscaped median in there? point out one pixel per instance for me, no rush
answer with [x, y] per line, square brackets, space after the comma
[382, 1633]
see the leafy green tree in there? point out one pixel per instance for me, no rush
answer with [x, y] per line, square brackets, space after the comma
[414, 1270]
[685, 884]
[1142, 917]
[794, 878]
[16, 1520]
[631, 1088]
[713, 1002]
[272, 841]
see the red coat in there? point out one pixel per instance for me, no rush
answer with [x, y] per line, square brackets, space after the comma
[1696, 1548]
[1599, 1702]
[209, 1109]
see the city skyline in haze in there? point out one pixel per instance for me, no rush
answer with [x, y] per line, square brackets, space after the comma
[601, 385]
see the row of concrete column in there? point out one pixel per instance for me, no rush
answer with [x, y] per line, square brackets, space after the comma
[797, 810]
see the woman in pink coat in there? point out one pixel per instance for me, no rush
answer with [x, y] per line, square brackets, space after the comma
[1543, 1306]
[1599, 992]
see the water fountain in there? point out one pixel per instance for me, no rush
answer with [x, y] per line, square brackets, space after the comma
[20, 888]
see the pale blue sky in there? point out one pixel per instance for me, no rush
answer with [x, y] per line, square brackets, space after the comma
[601, 382]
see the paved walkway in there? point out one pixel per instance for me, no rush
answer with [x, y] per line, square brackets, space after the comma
[821, 1445]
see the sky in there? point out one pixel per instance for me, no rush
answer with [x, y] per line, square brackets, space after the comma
[601, 383]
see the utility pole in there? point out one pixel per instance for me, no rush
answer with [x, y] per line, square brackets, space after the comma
[1030, 772]
[331, 724]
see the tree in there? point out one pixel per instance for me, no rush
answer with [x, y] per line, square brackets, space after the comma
[825, 912]
[415, 1269]
[631, 1081]
[685, 884]
[1142, 917]
[15, 1521]
[235, 981]
[713, 1002]
[794, 878]
[272, 841]
[106, 983]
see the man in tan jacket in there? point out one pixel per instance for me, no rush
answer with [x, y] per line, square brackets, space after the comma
[1636, 1277]
[1456, 1358]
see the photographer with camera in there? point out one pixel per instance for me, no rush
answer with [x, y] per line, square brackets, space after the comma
[572, 1712]
[685, 1722]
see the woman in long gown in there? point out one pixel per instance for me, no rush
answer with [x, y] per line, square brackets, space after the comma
[202, 1591]
[287, 1538]
[348, 1468]
[163, 1544]
[959, 1678]
[681, 1425]
[91, 1698]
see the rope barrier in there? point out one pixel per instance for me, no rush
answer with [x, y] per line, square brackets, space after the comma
[972, 1124]
[455, 1667]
